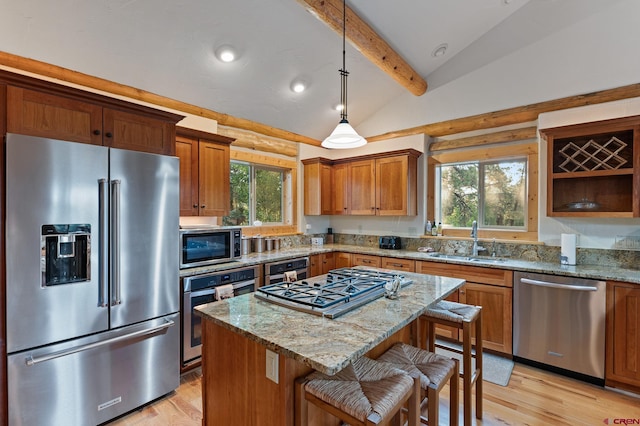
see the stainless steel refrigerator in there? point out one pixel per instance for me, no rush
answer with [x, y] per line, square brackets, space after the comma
[92, 298]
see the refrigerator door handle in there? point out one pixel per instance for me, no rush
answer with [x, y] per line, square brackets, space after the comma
[102, 237]
[30, 360]
[115, 242]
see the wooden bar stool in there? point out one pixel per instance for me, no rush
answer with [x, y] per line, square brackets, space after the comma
[467, 318]
[364, 393]
[434, 372]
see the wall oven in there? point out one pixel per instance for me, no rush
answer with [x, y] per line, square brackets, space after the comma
[208, 246]
[206, 288]
[274, 272]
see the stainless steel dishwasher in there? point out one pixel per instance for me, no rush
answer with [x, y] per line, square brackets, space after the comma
[559, 322]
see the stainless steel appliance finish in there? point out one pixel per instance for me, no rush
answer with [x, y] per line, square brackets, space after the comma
[560, 322]
[390, 242]
[209, 246]
[340, 291]
[201, 289]
[128, 201]
[274, 272]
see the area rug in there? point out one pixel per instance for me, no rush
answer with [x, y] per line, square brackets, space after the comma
[495, 369]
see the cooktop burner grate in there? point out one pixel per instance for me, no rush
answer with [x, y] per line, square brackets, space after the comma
[332, 295]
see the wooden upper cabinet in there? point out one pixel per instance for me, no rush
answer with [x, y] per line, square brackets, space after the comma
[318, 185]
[63, 113]
[396, 186]
[384, 184]
[213, 189]
[593, 169]
[137, 132]
[341, 189]
[623, 336]
[204, 173]
[187, 152]
[34, 113]
[362, 176]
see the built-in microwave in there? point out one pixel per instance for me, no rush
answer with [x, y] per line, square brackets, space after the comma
[208, 246]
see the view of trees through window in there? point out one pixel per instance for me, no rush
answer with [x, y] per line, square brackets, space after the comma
[494, 193]
[256, 194]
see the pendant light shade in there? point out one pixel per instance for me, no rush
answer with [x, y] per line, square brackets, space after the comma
[344, 136]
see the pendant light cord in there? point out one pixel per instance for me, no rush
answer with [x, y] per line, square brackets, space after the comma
[343, 72]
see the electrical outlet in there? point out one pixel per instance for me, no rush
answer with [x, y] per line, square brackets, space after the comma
[272, 366]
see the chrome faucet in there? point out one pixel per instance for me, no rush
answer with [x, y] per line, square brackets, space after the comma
[474, 234]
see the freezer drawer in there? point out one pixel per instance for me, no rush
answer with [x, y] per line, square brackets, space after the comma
[560, 322]
[113, 373]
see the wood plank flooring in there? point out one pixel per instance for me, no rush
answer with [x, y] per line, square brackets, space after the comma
[533, 397]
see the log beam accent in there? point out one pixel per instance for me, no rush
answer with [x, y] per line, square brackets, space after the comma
[486, 139]
[43, 69]
[511, 116]
[368, 42]
[258, 142]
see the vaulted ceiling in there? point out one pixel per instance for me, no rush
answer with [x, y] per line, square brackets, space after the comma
[168, 47]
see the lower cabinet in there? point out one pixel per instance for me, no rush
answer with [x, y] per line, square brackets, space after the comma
[321, 263]
[623, 336]
[487, 287]
[343, 260]
[406, 265]
[365, 260]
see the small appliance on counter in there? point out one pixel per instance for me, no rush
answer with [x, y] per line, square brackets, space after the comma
[390, 242]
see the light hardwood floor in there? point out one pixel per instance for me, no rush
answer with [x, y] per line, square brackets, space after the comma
[533, 397]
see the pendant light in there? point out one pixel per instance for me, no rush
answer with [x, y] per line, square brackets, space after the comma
[344, 136]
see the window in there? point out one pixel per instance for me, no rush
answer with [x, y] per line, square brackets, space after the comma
[256, 194]
[492, 192]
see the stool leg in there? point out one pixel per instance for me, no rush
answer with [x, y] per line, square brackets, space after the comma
[413, 414]
[454, 394]
[479, 366]
[467, 374]
[431, 337]
[433, 413]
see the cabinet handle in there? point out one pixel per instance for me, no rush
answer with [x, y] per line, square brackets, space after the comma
[108, 134]
[96, 132]
[202, 206]
[195, 206]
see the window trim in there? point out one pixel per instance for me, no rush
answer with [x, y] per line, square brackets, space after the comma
[289, 192]
[503, 151]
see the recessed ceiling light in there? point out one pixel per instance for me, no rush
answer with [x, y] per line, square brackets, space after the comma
[440, 50]
[226, 53]
[298, 85]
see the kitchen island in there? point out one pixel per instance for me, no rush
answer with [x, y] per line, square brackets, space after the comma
[245, 340]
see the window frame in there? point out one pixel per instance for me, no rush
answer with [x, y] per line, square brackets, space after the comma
[491, 154]
[289, 170]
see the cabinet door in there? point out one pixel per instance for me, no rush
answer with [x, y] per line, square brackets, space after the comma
[362, 175]
[138, 132]
[213, 187]
[187, 152]
[328, 262]
[318, 189]
[40, 114]
[343, 260]
[496, 314]
[623, 335]
[315, 265]
[341, 187]
[392, 180]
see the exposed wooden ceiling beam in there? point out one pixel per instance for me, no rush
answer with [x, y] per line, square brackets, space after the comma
[510, 116]
[66, 75]
[368, 42]
[486, 139]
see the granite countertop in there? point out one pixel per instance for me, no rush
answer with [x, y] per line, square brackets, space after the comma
[328, 345]
[596, 271]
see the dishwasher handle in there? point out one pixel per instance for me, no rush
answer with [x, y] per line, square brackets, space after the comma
[557, 285]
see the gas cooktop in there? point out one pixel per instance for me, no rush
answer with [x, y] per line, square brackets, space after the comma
[331, 295]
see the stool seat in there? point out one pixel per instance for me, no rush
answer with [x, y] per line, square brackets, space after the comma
[453, 311]
[433, 370]
[367, 390]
